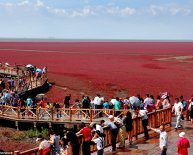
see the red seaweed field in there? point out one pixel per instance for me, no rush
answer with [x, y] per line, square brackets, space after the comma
[110, 68]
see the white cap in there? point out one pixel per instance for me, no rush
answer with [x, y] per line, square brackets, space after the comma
[182, 134]
[111, 116]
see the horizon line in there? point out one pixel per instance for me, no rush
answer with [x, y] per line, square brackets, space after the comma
[88, 40]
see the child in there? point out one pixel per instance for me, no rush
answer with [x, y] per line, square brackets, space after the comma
[99, 140]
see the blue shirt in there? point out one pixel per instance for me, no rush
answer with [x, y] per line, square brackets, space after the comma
[111, 125]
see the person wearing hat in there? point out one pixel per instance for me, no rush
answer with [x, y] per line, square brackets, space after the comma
[163, 140]
[183, 144]
[96, 127]
[44, 145]
[114, 131]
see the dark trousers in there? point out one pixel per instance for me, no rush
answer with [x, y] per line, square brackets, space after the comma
[100, 152]
[114, 133]
[86, 147]
[99, 107]
[75, 149]
[145, 124]
[163, 152]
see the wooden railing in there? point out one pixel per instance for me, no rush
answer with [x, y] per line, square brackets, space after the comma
[155, 119]
[68, 114]
[22, 72]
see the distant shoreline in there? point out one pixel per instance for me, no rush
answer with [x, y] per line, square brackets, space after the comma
[83, 40]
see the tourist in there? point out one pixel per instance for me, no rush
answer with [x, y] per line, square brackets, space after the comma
[158, 104]
[54, 141]
[184, 103]
[73, 139]
[99, 140]
[163, 140]
[121, 131]
[117, 106]
[114, 131]
[143, 115]
[128, 122]
[183, 144]
[58, 109]
[106, 105]
[67, 101]
[86, 131]
[96, 127]
[177, 109]
[166, 102]
[98, 103]
[147, 100]
[44, 145]
[190, 108]
[85, 105]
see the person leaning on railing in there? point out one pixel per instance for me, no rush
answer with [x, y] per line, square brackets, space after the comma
[44, 145]
[114, 131]
[86, 132]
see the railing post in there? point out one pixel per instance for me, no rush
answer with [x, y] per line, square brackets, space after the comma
[18, 112]
[37, 114]
[52, 113]
[16, 153]
[91, 114]
[113, 111]
[70, 114]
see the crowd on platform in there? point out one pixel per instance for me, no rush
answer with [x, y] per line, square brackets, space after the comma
[93, 134]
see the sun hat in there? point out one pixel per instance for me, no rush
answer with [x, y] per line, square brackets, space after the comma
[111, 116]
[182, 134]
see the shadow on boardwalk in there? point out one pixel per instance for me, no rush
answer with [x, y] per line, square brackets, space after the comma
[151, 146]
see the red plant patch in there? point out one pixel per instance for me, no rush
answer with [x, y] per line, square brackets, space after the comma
[109, 68]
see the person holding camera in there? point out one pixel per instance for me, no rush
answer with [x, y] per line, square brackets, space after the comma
[98, 139]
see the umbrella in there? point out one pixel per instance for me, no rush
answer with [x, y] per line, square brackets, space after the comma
[40, 96]
[39, 70]
[134, 101]
[29, 66]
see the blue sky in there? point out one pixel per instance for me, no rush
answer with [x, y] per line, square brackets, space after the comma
[97, 19]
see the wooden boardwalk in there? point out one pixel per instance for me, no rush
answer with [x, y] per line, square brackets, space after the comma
[151, 146]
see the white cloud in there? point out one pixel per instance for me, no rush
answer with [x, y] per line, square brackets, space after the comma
[60, 12]
[121, 11]
[81, 13]
[168, 9]
[39, 4]
[94, 10]
[23, 3]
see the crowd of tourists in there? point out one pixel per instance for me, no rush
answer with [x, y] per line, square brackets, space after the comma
[122, 127]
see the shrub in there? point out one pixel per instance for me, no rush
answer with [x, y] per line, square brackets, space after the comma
[32, 133]
[44, 132]
[19, 135]
[35, 132]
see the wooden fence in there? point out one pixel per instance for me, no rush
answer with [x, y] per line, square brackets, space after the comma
[155, 119]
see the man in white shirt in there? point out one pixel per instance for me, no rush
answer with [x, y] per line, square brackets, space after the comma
[177, 109]
[163, 140]
[96, 127]
[144, 117]
[98, 103]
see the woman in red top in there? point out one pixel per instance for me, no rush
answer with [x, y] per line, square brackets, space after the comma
[86, 132]
[183, 144]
